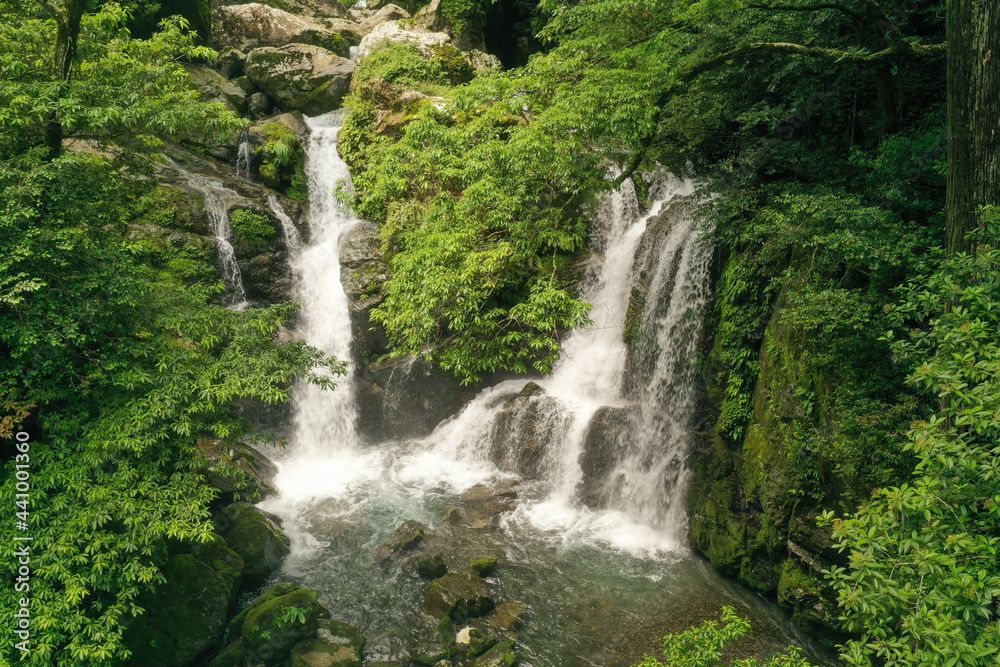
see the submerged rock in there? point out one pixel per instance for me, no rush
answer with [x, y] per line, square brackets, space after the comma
[391, 649]
[405, 538]
[458, 595]
[483, 567]
[432, 567]
[508, 616]
[501, 655]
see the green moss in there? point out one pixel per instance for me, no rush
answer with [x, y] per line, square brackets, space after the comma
[253, 229]
[283, 161]
[483, 567]
[267, 625]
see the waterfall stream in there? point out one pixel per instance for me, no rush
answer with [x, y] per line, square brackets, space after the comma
[217, 200]
[594, 547]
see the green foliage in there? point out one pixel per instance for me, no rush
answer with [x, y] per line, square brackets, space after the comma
[253, 228]
[292, 615]
[125, 370]
[123, 90]
[702, 646]
[283, 162]
[403, 65]
[923, 582]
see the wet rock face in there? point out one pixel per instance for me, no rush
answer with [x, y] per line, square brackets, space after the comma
[406, 398]
[458, 595]
[602, 450]
[309, 78]
[525, 425]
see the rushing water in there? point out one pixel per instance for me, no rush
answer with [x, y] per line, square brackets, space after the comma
[217, 200]
[601, 580]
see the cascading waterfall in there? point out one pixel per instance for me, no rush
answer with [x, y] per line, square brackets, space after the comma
[243, 156]
[293, 240]
[340, 500]
[324, 430]
[217, 200]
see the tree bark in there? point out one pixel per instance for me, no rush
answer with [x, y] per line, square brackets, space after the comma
[68, 18]
[973, 116]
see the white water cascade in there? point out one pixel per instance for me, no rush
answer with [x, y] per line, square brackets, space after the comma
[324, 430]
[217, 200]
[585, 570]
[293, 240]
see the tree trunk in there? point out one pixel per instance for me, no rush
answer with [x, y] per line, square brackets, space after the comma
[67, 35]
[973, 116]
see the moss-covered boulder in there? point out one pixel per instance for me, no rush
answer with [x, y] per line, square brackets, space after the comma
[239, 472]
[186, 615]
[309, 78]
[404, 539]
[501, 655]
[336, 644]
[810, 599]
[256, 538]
[277, 625]
[483, 567]
[216, 88]
[458, 595]
[432, 567]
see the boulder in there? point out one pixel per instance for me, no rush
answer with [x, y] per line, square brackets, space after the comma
[186, 615]
[458, 595]
[390, 649]
[352, 31]
[386, 13]
[363, 273]
[482, 61]
[336, 644]
[258, 105]
[526, 424]
[404, 539]
[217, 88]
[397, 32]
[483, 567]
[255, 536]
[238, 471]
[508, 616]
[230, 63]
[472, 642]
[255, 25]
[432, 567]
[301, 76]
[282, 622]
[501, 655]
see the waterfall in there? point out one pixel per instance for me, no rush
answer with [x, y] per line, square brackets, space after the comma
[511, 423]
[292, 239]
[243, 156]
[217, 200]
[324, 429]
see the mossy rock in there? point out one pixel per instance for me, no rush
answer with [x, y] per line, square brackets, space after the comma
[337, 644]
[404, 539]
[483, 567]
[186, 615]
[432, 567]
[234, 655]
[235, 626]
[255, 537]
[807, 596]
[281, 623]
[501, 655]
[458, 595]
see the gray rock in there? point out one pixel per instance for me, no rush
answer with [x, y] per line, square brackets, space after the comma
[482, 61]
[300, 76]
[258, 105]
[217, 88]
[386, 13]
[404, 539]
[396, 32]
[256, 25]
[230, 63]
[458, 595]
